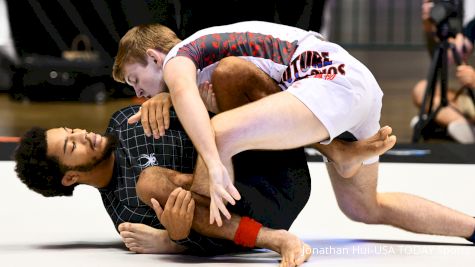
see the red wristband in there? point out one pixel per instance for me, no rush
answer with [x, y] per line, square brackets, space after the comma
[247, 231]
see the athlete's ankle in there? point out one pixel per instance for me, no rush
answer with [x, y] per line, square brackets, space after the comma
[270, 239]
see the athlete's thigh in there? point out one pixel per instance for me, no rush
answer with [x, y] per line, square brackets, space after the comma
[237, 82]
[278, 121]
[359, 190]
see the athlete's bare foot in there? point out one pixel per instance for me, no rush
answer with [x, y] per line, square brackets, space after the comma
[349, 156]
[306, 254]
[141, 238]
[293, 251]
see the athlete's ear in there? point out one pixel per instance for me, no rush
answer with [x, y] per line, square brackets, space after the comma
[156, 55]
[70, 178]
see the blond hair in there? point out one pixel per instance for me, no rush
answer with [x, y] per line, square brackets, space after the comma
[134, 44]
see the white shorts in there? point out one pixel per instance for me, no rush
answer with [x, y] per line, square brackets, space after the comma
[341, 92]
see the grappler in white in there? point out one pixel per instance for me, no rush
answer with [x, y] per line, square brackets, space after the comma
[326, 92]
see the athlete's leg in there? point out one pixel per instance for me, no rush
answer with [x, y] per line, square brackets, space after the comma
[158, 183]
[258, 113]
[237, 82]
[278, 121]
[358, 199]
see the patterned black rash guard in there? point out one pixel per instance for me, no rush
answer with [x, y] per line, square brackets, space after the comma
[274, 185]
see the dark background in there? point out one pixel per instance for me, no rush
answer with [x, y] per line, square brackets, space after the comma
[108, 20]
[43, 29]
[385, 35]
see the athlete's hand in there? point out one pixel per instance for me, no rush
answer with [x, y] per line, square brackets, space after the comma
[177, 216]
[208, 97]
[220, 187]
[154, 115]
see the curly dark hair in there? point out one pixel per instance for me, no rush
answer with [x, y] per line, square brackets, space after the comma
[40, 172]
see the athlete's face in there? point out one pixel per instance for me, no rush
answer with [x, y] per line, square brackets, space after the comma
[147, 80]
[77, 148]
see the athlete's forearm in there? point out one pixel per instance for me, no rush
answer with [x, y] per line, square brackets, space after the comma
[195, 119]
[158, 182]
[180, 76]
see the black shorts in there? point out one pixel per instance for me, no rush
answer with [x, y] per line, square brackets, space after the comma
[274, 186]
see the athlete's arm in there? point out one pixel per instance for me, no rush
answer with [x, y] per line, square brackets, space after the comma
[180, 77]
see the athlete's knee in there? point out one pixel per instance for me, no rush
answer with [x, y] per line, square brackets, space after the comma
[234, 69]
[153, 183]
[227, 69]
[229, 80]
[360, 211]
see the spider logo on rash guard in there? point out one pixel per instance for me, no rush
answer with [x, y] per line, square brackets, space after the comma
[211, 48]
[147, 160]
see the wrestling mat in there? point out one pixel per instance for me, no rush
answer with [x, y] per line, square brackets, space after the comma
[76, 231]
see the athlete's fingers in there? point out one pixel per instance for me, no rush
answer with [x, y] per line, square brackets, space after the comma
[172, 198]
[215, 215]
[233, 192]
[157, 208]
[224, 194]
[211, 211]
[135, 118]
[209, 92]
[186, 200]
[166, 116]
[179, 199]
[145, 121]
[154, 121]
[191, 207]
[158, 121]
[222, 208]
[217, 218]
